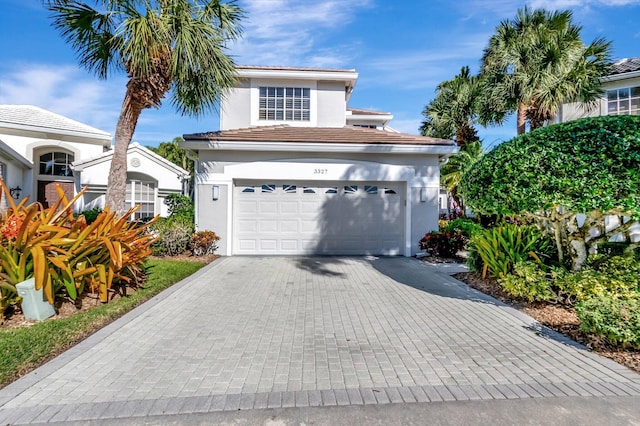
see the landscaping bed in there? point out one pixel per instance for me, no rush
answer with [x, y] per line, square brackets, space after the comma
[559, 318]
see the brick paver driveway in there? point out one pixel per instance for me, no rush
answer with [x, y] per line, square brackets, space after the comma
[256, 332]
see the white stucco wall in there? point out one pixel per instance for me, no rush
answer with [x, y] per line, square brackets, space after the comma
[576, 110]
[331, 104]
[240, 108]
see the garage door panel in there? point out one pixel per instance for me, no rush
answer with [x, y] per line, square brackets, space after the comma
[249, 225]
[287, 207]
[289, 226]
[328, 218]
[248, 206]
[247, 245]
[268, 207]
[268, 226]
[268, 245]
[289, 245]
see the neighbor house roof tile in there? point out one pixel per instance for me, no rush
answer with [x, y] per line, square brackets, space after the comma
[330, 135]
[625, 65]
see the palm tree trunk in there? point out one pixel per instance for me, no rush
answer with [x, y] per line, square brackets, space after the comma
[117, 183]
[522, 119]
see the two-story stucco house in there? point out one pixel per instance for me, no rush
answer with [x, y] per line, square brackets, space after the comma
[294, 170]
[39, 149]
[621, 94]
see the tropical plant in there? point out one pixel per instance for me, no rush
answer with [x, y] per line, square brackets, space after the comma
[180, 209]
[443, 244]
[203, 242]
[173, 237]
[588, 167]
[457, 108]
[63, 253]
[528, 280]
[537, 61]
[465, 226]
[174, 47]
[499, 249]
[453, 170]
[616, 320]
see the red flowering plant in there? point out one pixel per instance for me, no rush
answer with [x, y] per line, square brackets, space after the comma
[442, 244]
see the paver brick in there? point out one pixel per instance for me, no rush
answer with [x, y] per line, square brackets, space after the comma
[275, 332]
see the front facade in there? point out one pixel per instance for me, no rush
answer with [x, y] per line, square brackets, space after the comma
[621, 94]
[40, 149]
[293, 170]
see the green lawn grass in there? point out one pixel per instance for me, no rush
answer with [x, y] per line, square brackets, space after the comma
[24, 348]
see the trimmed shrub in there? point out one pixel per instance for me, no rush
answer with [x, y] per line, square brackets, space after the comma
[203, 242]
[495, 251]
[615, 277]
[181, 209]
[173, 237]
[465, 226]
[616, 320]
[443, 244]
[528, 280]
[91, 215]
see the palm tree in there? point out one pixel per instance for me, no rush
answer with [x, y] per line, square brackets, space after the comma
[452, 113]
[174, 47]
[453, 170]
[538, 61]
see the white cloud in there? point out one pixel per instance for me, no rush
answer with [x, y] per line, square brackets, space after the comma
[65, 90]
[288, 32]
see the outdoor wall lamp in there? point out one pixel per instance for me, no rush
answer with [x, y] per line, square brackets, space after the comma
[215, 192]
[423, 195]
[15, 192]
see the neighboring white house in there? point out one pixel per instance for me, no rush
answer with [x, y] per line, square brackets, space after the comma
[293, 170]
[621, 94]
[39, 149]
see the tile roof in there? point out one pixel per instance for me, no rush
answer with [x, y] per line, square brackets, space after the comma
[625, 65]
[33, 116]
[329, 135]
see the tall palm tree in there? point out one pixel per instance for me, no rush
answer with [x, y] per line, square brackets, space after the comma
[174, 47]
[453, 170]
[453, 112]
[538, 61]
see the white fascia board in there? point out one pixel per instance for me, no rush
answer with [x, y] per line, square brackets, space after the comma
[624, 76]
[351, 76]
[102, 136]
[323, 147]
[365, 117]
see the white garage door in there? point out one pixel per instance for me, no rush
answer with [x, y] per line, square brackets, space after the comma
[324, 218]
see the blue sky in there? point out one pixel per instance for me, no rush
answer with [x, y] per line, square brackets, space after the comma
[401, 50]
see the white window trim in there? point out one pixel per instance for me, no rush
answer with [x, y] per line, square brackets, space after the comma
[131, 202]
[255, 102]
[630, 111]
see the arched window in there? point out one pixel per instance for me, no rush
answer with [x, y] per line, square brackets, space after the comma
[56, 164]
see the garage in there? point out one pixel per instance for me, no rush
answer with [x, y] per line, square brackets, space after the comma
[327, 217]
